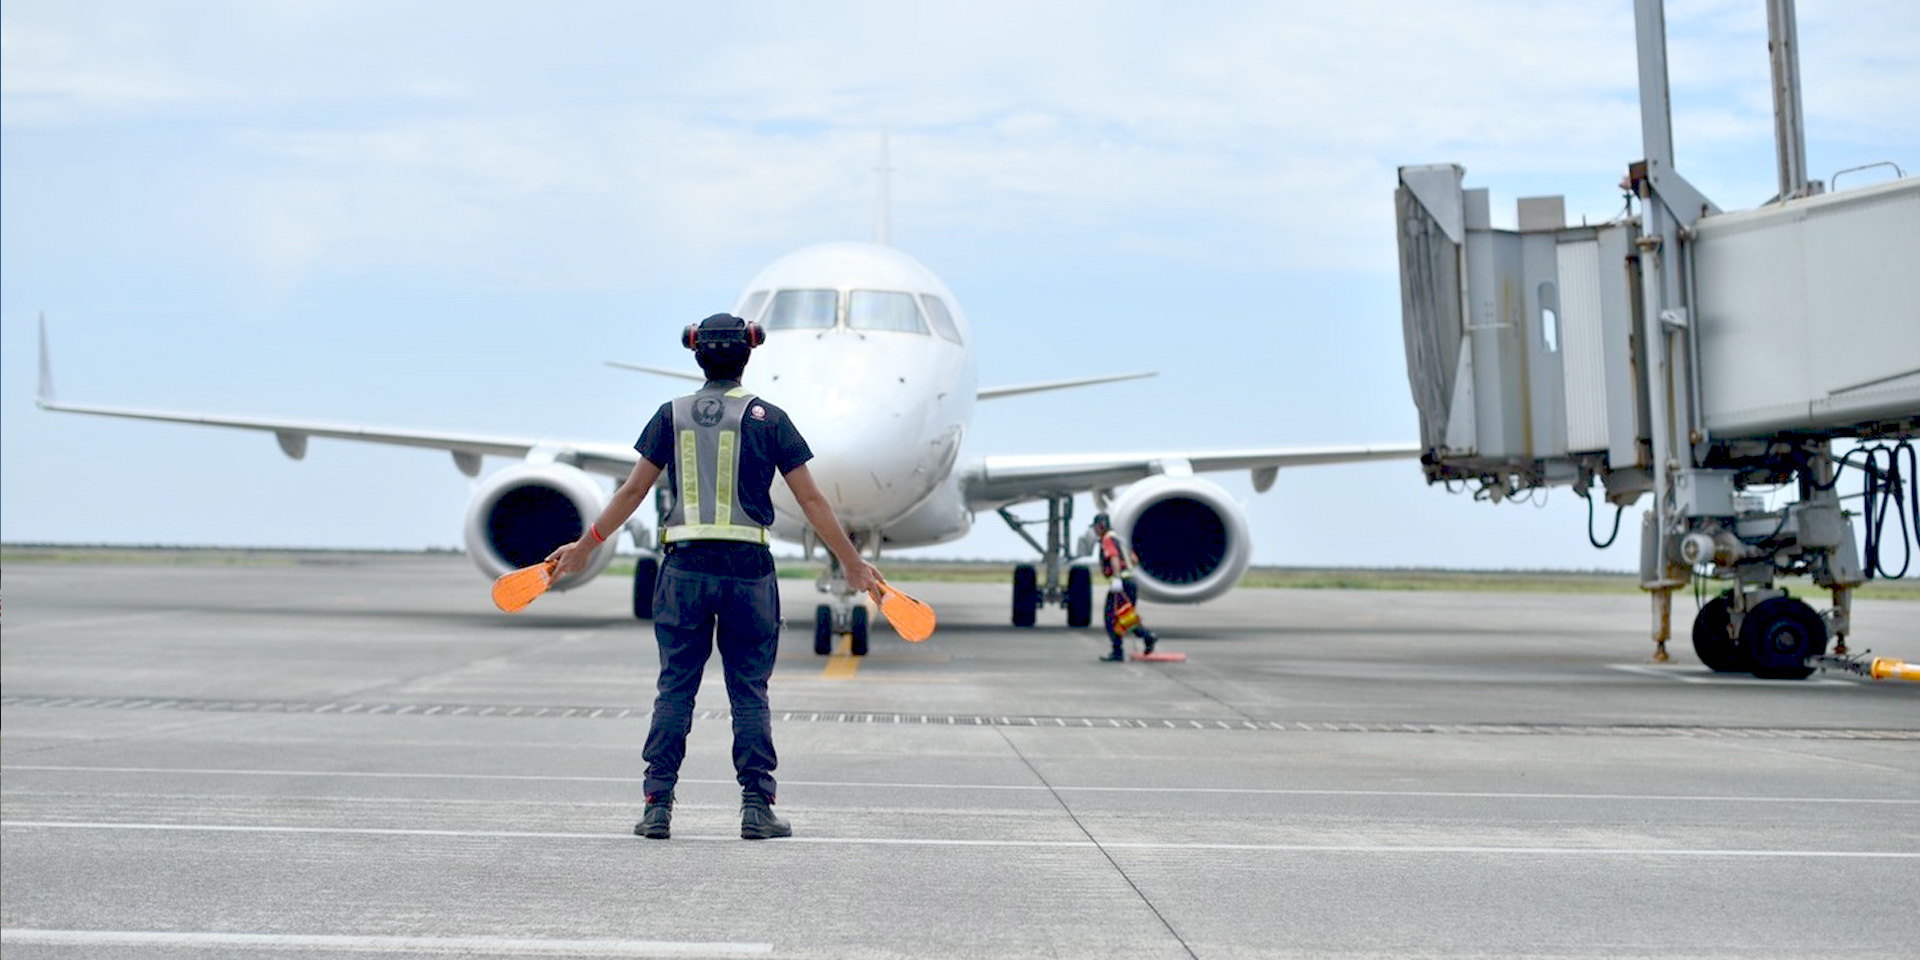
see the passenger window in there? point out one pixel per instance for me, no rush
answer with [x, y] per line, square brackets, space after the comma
[750, 311]
[802, 310]
[942, 320]
[884, 310]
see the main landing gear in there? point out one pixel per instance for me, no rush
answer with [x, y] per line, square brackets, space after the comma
[646, 572]
[847, 613]
[1030, 590]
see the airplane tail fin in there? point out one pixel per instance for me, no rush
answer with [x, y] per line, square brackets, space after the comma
[883, 212]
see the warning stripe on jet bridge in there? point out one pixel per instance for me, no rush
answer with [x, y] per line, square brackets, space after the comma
[589, 712]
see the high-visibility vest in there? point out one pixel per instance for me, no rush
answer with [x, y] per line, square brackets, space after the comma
[1113, 557]
[706, 461]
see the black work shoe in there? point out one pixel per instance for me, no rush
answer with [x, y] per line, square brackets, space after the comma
[757, 821]
[1115, 657]
[656, 823]
[1149, 638]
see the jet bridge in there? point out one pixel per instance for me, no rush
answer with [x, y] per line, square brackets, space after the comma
[1694, 356]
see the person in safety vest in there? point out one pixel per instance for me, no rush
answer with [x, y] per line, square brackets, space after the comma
[1123, 595]
[719, 448]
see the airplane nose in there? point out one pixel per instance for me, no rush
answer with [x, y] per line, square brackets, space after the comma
[869, 427]
[863, 453]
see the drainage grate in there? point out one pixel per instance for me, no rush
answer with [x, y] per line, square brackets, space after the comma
[384, 708]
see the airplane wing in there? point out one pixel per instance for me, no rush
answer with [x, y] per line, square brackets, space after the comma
[658, 371]
[995, 393]
[1000, 480]
[467, 448]
[985, 393]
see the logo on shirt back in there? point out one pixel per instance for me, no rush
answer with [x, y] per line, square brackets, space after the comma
[707, 411]
[758, 412]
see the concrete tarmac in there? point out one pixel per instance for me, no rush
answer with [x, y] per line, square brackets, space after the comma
[352, 756]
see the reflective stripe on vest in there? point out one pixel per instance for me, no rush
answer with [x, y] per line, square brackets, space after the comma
[707, 461]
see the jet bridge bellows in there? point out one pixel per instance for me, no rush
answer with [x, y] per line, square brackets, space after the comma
[1709, 359]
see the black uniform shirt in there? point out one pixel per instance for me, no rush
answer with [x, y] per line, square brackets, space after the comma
[768, 442]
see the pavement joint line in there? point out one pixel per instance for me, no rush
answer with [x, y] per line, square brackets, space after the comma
[1086, 843]
[1105, 853]
[371, 942]
[1004, 787]
[291, 706]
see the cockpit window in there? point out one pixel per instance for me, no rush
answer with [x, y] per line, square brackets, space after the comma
[750, 311]
[884, 310]
[802, 310]
[942, 320]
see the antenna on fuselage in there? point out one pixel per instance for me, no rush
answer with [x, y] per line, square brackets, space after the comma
[883, 215]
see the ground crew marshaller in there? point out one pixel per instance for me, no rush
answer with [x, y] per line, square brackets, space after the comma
[719, 447]
[1123, 595]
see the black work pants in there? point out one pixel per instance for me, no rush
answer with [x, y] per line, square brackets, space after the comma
[691, 611]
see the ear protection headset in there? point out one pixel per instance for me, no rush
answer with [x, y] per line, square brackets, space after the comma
[699, 336]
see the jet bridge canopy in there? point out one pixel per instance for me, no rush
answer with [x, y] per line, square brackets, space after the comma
[1809, 314]
[1522, 347]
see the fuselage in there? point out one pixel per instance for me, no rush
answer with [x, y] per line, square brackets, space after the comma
[869, 353]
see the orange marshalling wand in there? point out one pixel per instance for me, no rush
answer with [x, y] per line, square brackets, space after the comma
[911, 619]
[513, 591]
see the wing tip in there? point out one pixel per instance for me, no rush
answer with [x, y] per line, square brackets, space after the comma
[43, 397]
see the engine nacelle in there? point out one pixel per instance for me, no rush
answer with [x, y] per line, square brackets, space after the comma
[1190, 535]
[522, 513]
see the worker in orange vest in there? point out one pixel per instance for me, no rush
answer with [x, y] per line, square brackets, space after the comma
[1117, 564]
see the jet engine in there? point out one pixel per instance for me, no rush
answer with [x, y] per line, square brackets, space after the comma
[1190, 535]
[522, 513]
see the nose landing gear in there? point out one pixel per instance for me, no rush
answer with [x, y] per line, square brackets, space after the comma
[846, 613]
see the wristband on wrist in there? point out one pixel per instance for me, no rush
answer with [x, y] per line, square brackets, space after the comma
[594, 528]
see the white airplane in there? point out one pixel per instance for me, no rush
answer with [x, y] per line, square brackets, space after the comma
[869, 352]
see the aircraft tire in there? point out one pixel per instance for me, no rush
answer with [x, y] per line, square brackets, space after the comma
[823, 630]
[646, 572]
[1026, 595]
[1713, 639]
[1079, 596]
[857, 626]
[1779, 635]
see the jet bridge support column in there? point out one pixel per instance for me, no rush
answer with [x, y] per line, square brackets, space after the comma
[1670, 208]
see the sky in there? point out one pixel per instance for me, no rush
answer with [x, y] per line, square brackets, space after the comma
[438, 214]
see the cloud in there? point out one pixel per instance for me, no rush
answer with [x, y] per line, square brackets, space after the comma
[379, 132]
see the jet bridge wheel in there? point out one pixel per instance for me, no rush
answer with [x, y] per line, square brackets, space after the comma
[1026, 595]
[1713, 639]
[646, 572]
[1079, 596]
[1779, 635]
[823, 630]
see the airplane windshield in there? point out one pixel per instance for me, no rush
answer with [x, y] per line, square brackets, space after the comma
[942, 320]
[750, 312]
[884, 310]
[802, 310]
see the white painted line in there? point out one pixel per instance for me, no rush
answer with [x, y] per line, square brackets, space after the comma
[996, 787]
[1689, 852]
[1703, 675]
[343, 774]
[448, 945]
